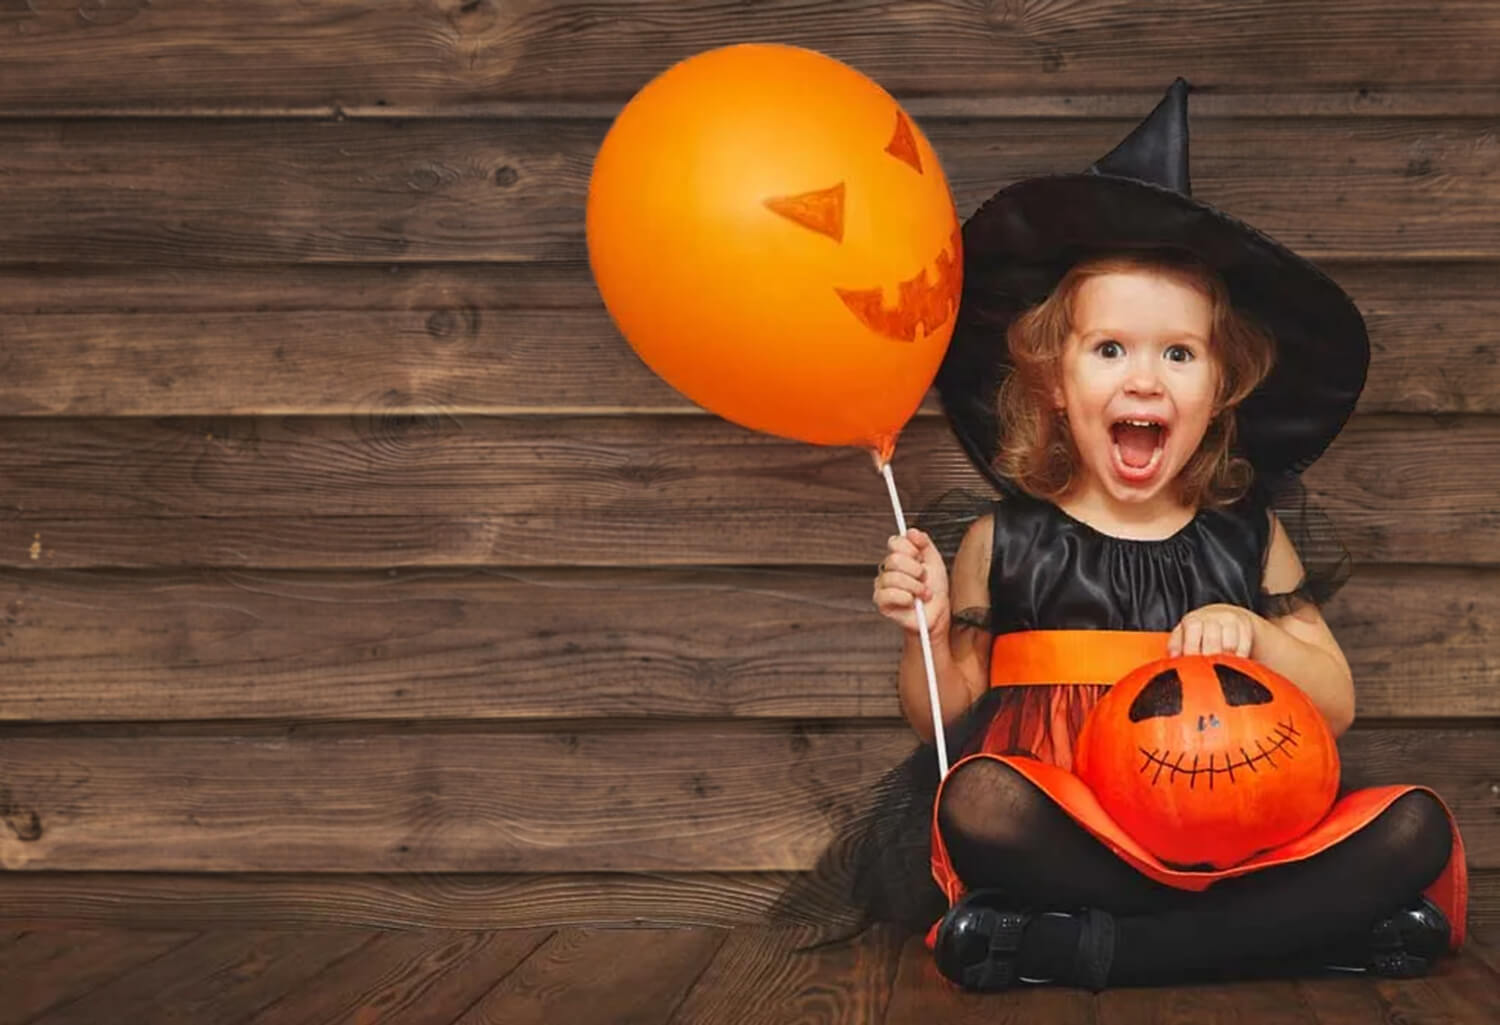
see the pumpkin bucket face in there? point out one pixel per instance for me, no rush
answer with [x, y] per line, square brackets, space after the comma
[1207, 760]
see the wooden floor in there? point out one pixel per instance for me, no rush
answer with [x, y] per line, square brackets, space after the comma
[53, 976]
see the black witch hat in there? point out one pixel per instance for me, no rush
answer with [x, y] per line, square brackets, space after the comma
[1021, 242]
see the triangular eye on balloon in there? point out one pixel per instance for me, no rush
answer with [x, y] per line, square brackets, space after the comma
[821, 210]
[903, 144]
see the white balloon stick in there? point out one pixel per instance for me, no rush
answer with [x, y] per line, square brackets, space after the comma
[932, 689]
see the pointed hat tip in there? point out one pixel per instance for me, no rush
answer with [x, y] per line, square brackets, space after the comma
[1156, 151]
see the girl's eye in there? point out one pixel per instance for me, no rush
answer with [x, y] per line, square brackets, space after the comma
[1179, 353]
[1110, 349]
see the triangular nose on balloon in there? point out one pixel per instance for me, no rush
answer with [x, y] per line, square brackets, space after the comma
[1157, 151]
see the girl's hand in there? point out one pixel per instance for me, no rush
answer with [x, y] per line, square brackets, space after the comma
[1215, 629]
[912, 568]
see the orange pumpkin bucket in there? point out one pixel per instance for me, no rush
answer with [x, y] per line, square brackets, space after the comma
[1207, 760]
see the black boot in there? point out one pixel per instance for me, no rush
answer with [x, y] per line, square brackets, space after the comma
[1403, 945]
[979, 941]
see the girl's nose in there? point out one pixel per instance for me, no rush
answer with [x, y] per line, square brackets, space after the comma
[1143, 377]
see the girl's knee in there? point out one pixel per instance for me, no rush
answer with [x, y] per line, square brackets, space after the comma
[985, 799]
[1416, 834]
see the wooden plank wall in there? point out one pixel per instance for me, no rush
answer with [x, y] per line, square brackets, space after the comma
[354, 571]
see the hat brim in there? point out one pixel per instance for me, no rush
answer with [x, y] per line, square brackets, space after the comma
[1020, 243]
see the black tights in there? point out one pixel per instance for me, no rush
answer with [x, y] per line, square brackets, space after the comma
[1004, 833]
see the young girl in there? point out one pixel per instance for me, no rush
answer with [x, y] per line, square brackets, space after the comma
[1179, 369]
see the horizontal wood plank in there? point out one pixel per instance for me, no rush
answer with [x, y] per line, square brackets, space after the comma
[766, 977]
[659, 797]
[221, 977]
[599, 975]
[263, 55]
[1461, 990]
[252, 289]
[1275, 1000]
[411, 977]
[1352, 1001]
[519, 339]
[1419, 639]
[670, 798]
[406, 900]
[1484, 940]
[59, 965]
[428, 900]
[427, 977]
[921, 996]
[393, 490]
[177, 192]
[1382, 288]
[1404, 489]
[568, 644]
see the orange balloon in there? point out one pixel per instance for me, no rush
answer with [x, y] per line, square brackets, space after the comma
[774, 236]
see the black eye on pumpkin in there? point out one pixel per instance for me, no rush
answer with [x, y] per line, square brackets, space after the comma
[1240, 689]
[1161, 697]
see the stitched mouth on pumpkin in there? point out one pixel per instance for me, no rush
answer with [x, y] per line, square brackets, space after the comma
[1282, 740]
[923, 303]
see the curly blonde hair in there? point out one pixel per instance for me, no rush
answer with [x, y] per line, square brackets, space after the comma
[1037, 452]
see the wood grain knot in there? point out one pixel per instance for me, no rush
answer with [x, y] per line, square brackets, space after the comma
[25, 823]
[446, 325]
[110, 12]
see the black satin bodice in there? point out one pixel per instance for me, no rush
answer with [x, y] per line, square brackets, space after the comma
[1049, 571]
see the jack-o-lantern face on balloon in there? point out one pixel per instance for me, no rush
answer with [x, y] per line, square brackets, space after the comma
[1206, 760]
[775, 237]
[923, 303]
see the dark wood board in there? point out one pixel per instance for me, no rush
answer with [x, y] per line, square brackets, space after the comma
[467, 901]
[254, 56]
[411, 977]
[49, 967]
[193, 192]
[219, 977]
[660, 797]
[587, 644]
[600, 977]
[384, 491]
[470, 340]
[765, 977]
[921, 996]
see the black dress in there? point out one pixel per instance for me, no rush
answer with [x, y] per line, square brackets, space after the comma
[1049, 571]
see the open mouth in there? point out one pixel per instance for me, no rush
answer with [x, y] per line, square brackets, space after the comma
[1279, 744]
[1138, 444]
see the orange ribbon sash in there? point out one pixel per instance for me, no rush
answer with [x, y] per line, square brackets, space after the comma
[1037, 657]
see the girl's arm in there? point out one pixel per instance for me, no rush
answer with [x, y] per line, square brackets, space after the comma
[1299, 645]
[960, 656]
